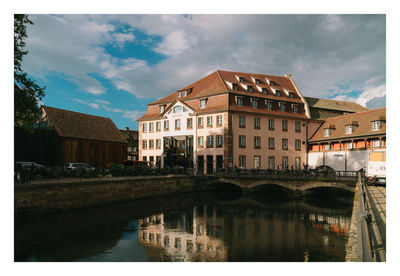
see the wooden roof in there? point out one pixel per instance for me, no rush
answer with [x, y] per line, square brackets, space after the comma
[364, 120]
[82, 126]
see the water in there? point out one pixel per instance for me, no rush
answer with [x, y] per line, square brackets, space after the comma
[220, 226]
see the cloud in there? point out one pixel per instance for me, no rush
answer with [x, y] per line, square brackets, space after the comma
[92, 105]
[132, 114]
[324, 53]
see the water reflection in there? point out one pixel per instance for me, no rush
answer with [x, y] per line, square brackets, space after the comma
[215, 233]
[191, 227]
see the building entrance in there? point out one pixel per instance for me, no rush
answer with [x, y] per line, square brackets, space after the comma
[210, 164]
[178, 152]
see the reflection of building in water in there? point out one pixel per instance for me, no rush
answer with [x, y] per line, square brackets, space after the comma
[211, 234]
[196, 236]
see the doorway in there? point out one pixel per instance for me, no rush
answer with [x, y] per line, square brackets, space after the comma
[210, 164]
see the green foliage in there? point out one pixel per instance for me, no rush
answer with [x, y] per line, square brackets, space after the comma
[27, 93]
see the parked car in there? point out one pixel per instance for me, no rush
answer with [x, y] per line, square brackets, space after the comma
[74, 166]
[28, 165]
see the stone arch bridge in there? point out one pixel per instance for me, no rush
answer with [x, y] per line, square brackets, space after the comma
[295, 183]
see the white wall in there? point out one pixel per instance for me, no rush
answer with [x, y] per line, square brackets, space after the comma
[336, 159]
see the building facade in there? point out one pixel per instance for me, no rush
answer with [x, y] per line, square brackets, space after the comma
[131, 136]
[344, 142]
[229, 120]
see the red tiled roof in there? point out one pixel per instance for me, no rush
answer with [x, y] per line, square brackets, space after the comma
[364, 128]
[83, 126]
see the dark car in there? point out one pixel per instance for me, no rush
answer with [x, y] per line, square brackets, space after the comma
[28, 165]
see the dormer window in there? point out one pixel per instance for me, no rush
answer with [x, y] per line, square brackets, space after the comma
[278, 93]
[291, 95]
[328, 131]
[254, 103]
[264, 91]
[202, 103]
[272, 83]
[241, 79]
[185, 93]
[162, 108]
[295, 108]
[349, 129]
[178, 109]
[376, 125]
[234, 87]
[179, 94]
[257, 81]
[249, 89]
[239, 101]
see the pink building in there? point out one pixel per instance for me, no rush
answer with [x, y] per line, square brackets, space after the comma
[230, 119]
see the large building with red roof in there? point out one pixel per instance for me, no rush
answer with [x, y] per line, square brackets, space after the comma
[234, 119]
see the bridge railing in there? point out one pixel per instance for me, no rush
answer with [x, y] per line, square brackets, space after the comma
[364, 228]
[287, 172]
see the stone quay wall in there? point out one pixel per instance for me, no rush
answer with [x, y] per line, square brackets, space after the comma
[53, 196]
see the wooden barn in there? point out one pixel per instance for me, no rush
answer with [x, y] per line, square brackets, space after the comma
[85, 138]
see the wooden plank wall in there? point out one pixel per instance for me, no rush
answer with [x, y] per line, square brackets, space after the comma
[95, 153]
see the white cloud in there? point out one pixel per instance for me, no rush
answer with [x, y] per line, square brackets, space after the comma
[93, 105]
[371, 93]
[132, 115]
[322, 52]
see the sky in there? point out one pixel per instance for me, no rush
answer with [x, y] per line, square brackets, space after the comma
[114, 65]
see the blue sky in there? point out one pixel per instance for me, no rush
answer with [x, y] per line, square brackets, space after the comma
[113, 65]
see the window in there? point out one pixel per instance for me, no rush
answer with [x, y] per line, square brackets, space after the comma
[209, 121]
[264, 91]
[271, 162]
[239, 101]
[144, 144]
[151, 127]
[284, 144]
[158, 144]
[151, 144]
[297, 126]
[178, 109]
[327, 147]
[158, 126]
[271, 143]
[284, 125]
[349, 145]
[376, 143]
[269, 105]
[177, 124]
[144, 127]
[285, 162]
[210, 141]
[254, 103]
[242, 141]
[242, 121]
[179, 94]
[200, 122]
[257, 142]
[272, 83]
[219, 120]
[162, 108]
[327, 132]
[158, 161]
[257, 162]
[376, 125]
[282, 107]
[129, 149]
[278, 93]
[189, 123]
[220, 141]
[297, 144]
[202, 103]
[234, 87]
[200, 141]
[166, 125]
[249, 88]
[271, 124]
[349, 129]
[152, 162]
[177, 243]
[241, 79]
[144, 158]
[185, 93]
[257, 81]
[297, 163]
[257, 122]
[291, 95]
[242, 161]
[295, 109]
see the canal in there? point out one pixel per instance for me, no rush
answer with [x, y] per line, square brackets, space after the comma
[269, 225]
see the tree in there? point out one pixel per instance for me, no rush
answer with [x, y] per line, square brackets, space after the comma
[27, 93]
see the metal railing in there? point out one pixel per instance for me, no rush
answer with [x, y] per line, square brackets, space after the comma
[364, 248]
[287, 172]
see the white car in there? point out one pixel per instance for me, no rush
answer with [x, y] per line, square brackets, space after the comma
[74, 166]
